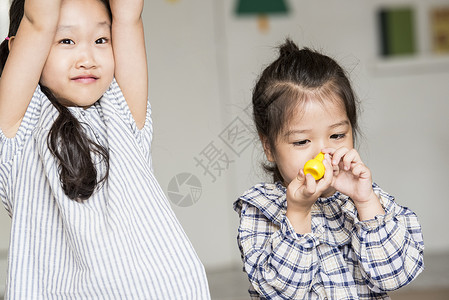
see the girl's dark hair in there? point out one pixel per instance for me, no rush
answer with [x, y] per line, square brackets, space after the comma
[15, 16]
[66, 139]
[294, 77]
[72, 148]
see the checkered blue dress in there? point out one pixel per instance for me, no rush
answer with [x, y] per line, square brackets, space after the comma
[124, 242]
[342, 258]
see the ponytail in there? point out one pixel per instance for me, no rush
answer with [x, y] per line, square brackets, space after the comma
[15, 17]
[4, 52]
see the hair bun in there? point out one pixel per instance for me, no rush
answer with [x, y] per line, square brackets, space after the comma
[288, 48]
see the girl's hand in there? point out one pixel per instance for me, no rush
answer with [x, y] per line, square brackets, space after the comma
[350, 175]
[126, 10]
[353, 178]
[302, 192]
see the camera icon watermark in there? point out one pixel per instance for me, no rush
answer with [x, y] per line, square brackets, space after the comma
[184, 189]
[214, 160]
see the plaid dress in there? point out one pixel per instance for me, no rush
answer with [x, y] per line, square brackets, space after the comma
[342, 258]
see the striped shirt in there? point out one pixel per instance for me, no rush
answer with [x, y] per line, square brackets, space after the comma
[124, 242]
[342, 258]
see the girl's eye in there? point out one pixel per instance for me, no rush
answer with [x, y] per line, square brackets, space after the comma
[101, 41]
[338, 136]
[301, 143]
[66, 42]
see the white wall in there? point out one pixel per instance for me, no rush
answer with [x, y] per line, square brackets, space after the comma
[405, 104]
[189, 113]
[203, 64]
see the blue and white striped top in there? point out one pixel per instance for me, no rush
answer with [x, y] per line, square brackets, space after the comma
[124, 242]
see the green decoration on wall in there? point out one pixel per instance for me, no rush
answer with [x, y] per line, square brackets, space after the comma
[261, 8]
[251, 7]
[397, 31]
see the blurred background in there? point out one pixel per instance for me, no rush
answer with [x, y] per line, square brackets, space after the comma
[204, 58]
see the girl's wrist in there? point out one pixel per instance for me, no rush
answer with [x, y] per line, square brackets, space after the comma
[301, 220]
[369, 208]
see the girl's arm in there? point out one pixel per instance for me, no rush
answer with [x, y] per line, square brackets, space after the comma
[390, 247]
[278, 264]
[130, 57]
[28, 52]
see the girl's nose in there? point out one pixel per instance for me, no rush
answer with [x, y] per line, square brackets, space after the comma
[319, 147]
[85, 60]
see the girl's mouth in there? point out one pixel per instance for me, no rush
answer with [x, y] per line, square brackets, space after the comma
[85, 79]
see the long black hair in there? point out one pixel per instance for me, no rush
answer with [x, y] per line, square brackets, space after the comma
[66, 139]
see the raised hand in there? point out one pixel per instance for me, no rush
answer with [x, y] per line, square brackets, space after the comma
[353, 178]
[128, 42]
[126, 10]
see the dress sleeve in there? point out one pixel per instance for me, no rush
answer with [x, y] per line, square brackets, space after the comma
[389, 247]
[279, 263]
[10, 148]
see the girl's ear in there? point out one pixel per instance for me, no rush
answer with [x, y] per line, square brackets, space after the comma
[267, 148]
[10, 42]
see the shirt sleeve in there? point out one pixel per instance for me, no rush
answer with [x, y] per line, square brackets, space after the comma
[389, 247]
[145, 134]
[10, 148]
[279, 263]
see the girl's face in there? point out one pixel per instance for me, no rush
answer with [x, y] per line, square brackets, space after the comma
[313, 126]
[80, 65]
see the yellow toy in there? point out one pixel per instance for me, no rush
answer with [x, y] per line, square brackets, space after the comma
[315, 166]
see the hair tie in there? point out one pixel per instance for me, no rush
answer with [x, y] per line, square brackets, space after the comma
[7, 38]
